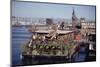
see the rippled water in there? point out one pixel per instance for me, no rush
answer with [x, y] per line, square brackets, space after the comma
[20, 36]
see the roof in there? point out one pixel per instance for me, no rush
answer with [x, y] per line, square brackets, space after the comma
[58, 31]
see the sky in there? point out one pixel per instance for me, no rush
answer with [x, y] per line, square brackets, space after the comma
[48, 10]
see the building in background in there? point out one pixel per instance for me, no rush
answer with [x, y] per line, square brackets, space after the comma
[49, 21]
[74, 20]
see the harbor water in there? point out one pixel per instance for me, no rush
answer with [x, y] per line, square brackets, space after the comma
[20, 36]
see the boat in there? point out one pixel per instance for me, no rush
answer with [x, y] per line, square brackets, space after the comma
[50, 45]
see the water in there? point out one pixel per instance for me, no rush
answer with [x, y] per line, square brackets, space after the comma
[20, 36]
